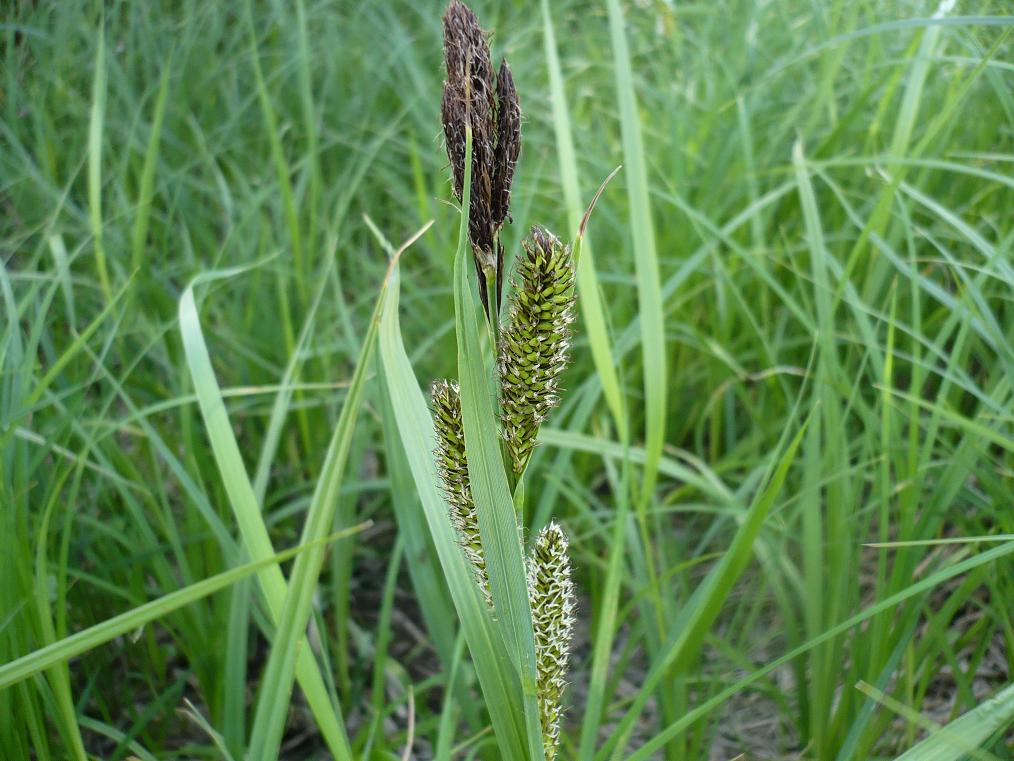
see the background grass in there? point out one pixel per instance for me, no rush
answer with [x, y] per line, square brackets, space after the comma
[825, 209]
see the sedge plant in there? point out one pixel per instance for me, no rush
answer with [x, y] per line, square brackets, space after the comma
[481, 116]
[829, 189]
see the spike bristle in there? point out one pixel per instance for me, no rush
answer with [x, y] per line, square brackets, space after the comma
[551, 594]
[452, 466]
[534, 345]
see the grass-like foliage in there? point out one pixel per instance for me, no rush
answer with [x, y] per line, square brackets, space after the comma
[724, 467]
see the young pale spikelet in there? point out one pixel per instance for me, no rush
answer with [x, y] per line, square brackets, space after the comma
[453, 468]
[533, 346]
[551, 593]
[475, 96]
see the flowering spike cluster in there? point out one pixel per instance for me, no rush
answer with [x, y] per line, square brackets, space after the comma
[453, 468]
[551, 594]
[533, 346]
[474, 96]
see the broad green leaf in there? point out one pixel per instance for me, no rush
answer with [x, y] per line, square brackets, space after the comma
[494, 505]
[436, 605]
[497, 676]
[247, 511]
[966, 733]
[276, 683]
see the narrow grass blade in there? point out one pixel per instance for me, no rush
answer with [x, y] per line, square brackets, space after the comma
[58, 674]
[961, 737]
[645, 751]
[651, 315]
[276, 683]
[90, 638]
[247, 509]
[310, 126]
[973, 427]
[282, 170]
[286, 388]
[195, 716]
[649, 291]
[445, 733]
[139, 234]
[380, 650]
[59, 250]
[95, 132]
[116, 735]
[234, 700]
[708, 600]
[904, 126]
[580, 442]
[607, 624]
[947, 540]
[818, 255]
[79, 343]
[590, 297]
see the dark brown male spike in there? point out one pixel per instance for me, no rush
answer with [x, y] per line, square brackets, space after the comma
[474, 97]
[508, 141]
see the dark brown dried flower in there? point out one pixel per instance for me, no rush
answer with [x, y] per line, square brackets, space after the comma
[508, 141]
[475, 97]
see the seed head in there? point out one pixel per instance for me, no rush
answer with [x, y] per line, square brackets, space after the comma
[534, 345]
[452, 466]
[474, 96]
[551, 594]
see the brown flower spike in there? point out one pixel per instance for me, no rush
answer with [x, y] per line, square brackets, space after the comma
[474, 96]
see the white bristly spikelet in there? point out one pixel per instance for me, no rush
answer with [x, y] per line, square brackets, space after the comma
[453, 468]
[551, 593]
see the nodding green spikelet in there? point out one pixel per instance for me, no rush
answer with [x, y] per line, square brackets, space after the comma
[533, 346]
[477, 96]
[453, 468]
[551, 594]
